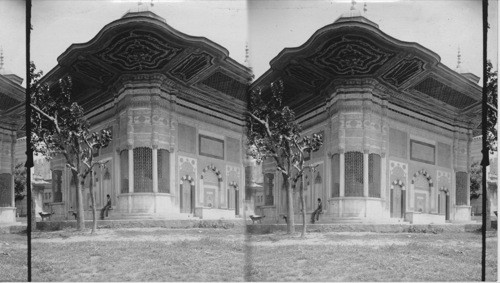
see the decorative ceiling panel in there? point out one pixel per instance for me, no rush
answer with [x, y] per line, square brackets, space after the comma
[438, 90]
[138, 51]
[350, 55]
[7, 102]
[227, 85]
[305, 75]
[191, 66]
[403, 71]
[92, 71]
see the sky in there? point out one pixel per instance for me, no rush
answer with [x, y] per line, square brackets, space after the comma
[266, 26]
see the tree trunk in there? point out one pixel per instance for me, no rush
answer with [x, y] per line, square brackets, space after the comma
[92, 200]
[80, 223]
[303, 204]
[290, 226]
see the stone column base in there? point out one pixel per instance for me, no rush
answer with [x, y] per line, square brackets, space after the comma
[7, 215]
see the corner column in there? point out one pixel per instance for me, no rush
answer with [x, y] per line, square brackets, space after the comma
[155, 168]
[383, 177]
[130, 177]
[469, 141]
[171, 168]
[365, 173]
[13, 165]
[342, 174]
[131, 169]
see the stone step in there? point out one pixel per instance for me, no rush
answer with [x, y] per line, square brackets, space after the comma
[137, 216]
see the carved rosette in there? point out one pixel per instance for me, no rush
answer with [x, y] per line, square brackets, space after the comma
[350, 55]
[138, 51]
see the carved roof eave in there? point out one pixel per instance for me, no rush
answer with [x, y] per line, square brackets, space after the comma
[14, 118]
[288, 54]
[434, 67]
[412, 47]
[12, 89]
[107, 33]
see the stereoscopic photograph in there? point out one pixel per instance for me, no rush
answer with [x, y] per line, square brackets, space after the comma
[248, 140]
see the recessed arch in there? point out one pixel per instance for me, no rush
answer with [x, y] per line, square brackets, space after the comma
[214, 169]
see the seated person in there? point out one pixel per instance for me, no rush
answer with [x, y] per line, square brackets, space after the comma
[316, 213]
[106, 208]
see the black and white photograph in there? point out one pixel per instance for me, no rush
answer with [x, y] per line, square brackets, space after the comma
[248, 140]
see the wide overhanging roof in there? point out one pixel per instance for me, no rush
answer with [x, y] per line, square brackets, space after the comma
[12, 97]
[141, 43]
[354, 47]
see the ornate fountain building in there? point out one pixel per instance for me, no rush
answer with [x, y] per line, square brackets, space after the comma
[175, 106]
[397, 127]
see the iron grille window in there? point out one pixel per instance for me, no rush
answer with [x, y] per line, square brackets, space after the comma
[374, 175]
[268, 189]
[143, 169]
[56, 185]
[461, 196]
[335, 189]
[163, 171]
[354, 174]
[5, 190]
[124, 170]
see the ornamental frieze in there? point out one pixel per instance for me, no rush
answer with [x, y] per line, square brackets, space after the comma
[418, 127]
[138, 51]
[350, 55]
[349, 124]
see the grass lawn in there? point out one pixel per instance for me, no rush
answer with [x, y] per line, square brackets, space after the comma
[156, 254]
[13, 257]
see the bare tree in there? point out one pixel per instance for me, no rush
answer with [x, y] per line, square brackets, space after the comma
[61, 128]
[274, 133]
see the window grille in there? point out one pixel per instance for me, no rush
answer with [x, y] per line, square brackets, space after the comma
[5, 190]
[353, 174]
[56, 185]
[143, 169]
[374, 175]
[461, 196]
[163, 171]
[124, 170]
[268, 188]
[335, 189]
